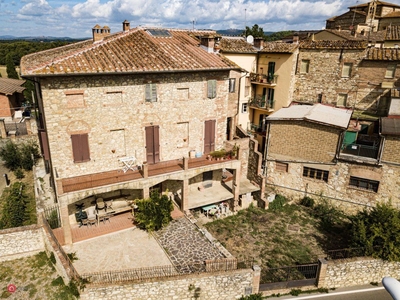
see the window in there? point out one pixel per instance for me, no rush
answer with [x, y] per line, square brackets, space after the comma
[319, 100]
[151, 92]
[80, 147]
[304, 66]
[271, 70]
[244, 108]
[211, 89]
[341, 100]
[391, 69]
[315, 173]
[232, 84]
[281, 167]
[75, 99]
[346, 70]
[362, 183]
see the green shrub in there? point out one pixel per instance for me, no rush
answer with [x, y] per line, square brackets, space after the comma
[53, 258]
[19, 173]
[307, 202]
[72, 256]
[278, 203]
[22, 156]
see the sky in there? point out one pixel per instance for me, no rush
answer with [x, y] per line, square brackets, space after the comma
[76, 18]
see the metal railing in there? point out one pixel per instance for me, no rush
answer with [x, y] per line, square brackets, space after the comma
[18, 127]
[264, 78]
[140, 274]
[52, 215]
[251, 127]
[350, 252]
[70, 269]
[261, 101]
[360, 150]
[289, 273]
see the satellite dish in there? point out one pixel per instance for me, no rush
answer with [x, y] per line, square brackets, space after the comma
[250, 39]
[392, 286]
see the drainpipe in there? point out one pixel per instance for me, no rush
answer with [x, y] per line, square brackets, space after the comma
[339, 145]
[381, 144]
[266, 149]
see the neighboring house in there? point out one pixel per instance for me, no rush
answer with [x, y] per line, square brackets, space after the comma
[392, 36]
[143, 97]
[374, 15]
[309, 154]
[375, 39]
[272, 85]
[244, 54]
[11, 96]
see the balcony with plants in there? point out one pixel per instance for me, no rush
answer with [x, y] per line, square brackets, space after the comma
[262, 101]
[264, 79]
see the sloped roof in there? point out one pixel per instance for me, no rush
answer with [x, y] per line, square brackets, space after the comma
[236, 45]
[393, 33]
[131, 51]
[333, 45]
[390, 126]
[318, 113]
[394, 14]
[279, 47]
[10, 86]
[389, 54]
[347, 35]
[377, 2]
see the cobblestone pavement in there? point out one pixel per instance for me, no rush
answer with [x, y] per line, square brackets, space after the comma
[186, 245]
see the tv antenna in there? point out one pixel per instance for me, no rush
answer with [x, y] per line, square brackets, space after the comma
[193, 22]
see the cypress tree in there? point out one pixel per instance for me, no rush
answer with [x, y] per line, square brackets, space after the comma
[11, 72]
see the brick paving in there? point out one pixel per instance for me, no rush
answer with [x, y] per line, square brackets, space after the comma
[186, 245]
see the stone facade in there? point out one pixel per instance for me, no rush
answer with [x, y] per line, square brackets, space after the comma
[21, 242]
[391, 152]
[228, 285]
[356, 271]
[303, 141]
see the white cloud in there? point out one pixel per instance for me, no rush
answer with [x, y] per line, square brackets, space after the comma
[36, 8]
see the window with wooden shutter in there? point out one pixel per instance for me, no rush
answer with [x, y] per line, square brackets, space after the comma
[232, 84]
[390, 71]
[304, 66]
[211, 89]
[80, 147]
[151, 92]
[346, 70]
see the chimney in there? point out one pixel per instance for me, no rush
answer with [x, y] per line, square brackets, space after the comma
[338, 28]
[295, 38]
[207, 43]
[258, 43]
[126, 25]
[99, 33]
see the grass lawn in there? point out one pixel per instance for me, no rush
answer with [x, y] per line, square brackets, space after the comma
[34, 277]
[290, 236]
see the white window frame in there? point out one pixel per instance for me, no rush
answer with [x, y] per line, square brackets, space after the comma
[245, 108]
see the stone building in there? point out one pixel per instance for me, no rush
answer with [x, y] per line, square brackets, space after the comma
[307, 155]
[11, 96]
[121, 114]
[373, 15]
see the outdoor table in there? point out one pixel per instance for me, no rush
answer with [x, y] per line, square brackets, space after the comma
[207, 208]
[129, 163]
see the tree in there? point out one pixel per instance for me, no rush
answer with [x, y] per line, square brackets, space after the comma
[278, 35]
[155, 212]
[11, 73]
[22, 156]
[378, 231]
[255, 31]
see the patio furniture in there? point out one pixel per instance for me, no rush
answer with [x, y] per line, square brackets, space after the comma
[91, 215]
[84, 222]
[105, 217]
[206, 209]
[100, 205]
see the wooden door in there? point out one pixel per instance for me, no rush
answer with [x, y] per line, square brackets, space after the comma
[209, 136]
[152, 144]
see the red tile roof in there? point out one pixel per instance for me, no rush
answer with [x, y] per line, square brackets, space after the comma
[346, 34]
[279, 47]
[10, 86]
[333, 45]
[132, 51]
[383, 54]
[236, 45]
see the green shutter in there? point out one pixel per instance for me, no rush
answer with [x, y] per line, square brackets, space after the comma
[151, 92]
[211, 89]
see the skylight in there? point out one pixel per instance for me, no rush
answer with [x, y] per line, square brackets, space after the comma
[159, 32]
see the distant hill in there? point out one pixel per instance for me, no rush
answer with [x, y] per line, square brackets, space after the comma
[237, 32]
[38, 38]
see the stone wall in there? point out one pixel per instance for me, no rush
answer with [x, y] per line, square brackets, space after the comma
[356, 271]
[391, 150]
[351, 199]
[303, 140]
[225, 285]
[21, 242]
[113, 112]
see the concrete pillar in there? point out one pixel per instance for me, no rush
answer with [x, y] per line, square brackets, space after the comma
[323, 266]
[185, 195]
[28, 125]
[65, 225]
[3, 129]
[256, 279]
[145, 170]
[235, 188]
[186, 163]
[146, 193]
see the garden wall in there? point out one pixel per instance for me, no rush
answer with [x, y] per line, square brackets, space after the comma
[355, 271]
[224, 285]
[21, 242]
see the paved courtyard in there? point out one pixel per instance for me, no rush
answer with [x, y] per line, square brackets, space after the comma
[185, 244]
[127, 249]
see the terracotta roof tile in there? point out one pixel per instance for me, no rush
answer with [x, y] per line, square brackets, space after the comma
[346, 34]
[236, 45]
[132, 51]
[382, 54]
[393, 33]
[377, 2]
[9, 86]
[279, 47]
[333, 45]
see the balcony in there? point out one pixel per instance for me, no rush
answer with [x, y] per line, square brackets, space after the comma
[260, 101]
[264, 79]
[365, 146]
[255, 128]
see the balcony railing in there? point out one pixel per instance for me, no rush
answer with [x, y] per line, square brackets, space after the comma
[360, 150]
[260, 101]
[264, 78]
[255, 128]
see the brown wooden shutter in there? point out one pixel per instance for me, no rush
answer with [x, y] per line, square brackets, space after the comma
[156, 142]
[44, 145]
[211, 89]
[80, 147]
[212, 140]
[84, 140]
[149, 145]
[209, 136]
[75, 138]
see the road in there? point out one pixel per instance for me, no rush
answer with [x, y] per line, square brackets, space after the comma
[358, 293]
